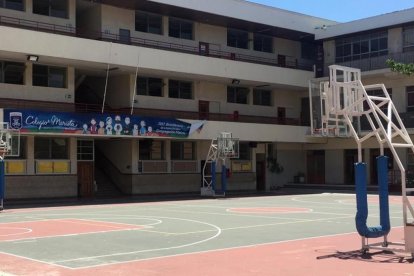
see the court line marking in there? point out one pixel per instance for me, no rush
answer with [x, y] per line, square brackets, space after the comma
[28, 230]
[219, 231]
[220, 250]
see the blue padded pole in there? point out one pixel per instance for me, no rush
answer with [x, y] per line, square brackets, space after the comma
[223, 178]
[382, 169]
[2, 183]
[213, 175]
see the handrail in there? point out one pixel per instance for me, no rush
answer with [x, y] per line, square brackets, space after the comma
[288, 61]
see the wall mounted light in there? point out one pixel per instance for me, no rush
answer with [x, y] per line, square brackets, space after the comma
[235, 82]
[33, 58]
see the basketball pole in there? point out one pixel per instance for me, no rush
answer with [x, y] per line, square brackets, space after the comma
[2, 184]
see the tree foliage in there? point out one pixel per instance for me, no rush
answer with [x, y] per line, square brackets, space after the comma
[403, 68]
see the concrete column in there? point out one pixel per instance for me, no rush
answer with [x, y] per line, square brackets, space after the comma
[30, 165]
[395, 40]
[73, 149]
[167, 145]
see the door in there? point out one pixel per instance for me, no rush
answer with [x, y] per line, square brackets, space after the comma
[351, 157]
[125, 36]
[305, 112]
[281, 115]
[260, 175]
[203, 48]
[86, 179]
[203, 110]
[316, 167]
[374, 153]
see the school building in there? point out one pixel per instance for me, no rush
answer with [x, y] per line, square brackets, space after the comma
[124, 97]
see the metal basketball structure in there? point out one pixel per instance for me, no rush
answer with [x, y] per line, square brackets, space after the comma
[338, 109]
[221, 149]
[9, 146]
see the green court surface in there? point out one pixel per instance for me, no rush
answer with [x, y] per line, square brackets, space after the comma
[80, 237]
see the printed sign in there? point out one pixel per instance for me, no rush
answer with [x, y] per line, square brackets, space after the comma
[95, 124]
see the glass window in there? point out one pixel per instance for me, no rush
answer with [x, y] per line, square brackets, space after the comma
[17, 5]
[362, 46]
[51, 148]
[180, 28]
[49, 76]
[148, 23]
[11, 72]
[410, 98]
[237, 39]
[263, 43]
[244, 151]
[182, 150]
[151, 150]
[55, 8]
[237, 94]
[408, 38]
[19, 151]
[85, 150]
[149, 86]
[180, 89]
[262, 97]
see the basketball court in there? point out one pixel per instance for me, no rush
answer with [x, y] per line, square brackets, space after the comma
[266, 235]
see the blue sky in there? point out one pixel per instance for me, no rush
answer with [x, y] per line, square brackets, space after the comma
[341, 11]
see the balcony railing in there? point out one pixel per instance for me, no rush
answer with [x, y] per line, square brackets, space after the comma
[278, 61]
[375, 63]
[94, 108]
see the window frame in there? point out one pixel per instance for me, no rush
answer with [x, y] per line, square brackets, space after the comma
[259, 98]
[408, 38]
[147, 19]
[260, 42]
[235, 94]
[51, 152]
[5, 4]
[48, 78]
[237, 38]
[51, 8]
[409, 90]
[180, 28]
[181, 86]
[181, 148]
[149, 89]
[155, 147]
[3, 72]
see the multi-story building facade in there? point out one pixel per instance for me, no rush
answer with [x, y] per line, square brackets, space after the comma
[134, 91]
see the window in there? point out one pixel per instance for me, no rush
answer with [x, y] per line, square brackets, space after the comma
[410, 98]
[18, 151]
[237, 39]
[149, 86]
[182, 150]
[17, 5]
[148, 22]
[263, 43]
[51, 148]
[237, 94]
[85, 150]
[180, 28]
[262, 97]
[361, 47]
[11, 72]
[180, 89]
[151, 150]
[55, 8]
[49, 76]
[244, 151]
[408, 38]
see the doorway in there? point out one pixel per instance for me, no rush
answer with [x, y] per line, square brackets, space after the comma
[86, 168]
[374, 153]
[316, 166]
[260, 173]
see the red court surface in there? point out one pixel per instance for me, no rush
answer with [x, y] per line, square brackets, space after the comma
[57, 227]
[335, 255]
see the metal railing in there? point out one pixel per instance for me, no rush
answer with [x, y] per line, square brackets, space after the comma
[278, 61]
[374, 63]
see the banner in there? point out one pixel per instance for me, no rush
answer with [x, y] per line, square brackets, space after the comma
[94, 124]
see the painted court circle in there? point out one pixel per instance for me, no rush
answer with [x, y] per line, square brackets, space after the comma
[269, 210]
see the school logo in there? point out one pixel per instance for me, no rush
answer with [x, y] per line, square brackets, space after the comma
[15, 120]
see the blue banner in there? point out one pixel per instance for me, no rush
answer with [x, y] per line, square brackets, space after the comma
[94, 124]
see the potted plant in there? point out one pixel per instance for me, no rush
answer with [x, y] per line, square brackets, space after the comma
[274, 166]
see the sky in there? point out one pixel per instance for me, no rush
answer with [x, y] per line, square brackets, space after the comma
[341, 11]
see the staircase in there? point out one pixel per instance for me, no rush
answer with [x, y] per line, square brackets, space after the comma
[105, 188]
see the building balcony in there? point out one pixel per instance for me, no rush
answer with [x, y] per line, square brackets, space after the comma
[283, 61]
[374, 63]
[187, 115]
